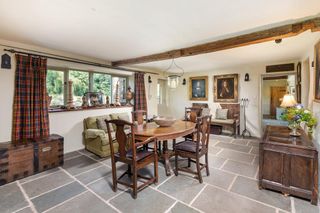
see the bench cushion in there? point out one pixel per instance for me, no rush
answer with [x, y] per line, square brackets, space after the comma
[220, 121]
[222, 114]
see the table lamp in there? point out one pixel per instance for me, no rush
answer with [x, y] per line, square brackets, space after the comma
[288, 101]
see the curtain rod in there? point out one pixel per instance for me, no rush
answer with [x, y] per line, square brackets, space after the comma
[74, 60]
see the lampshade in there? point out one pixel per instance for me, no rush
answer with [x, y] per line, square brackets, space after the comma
[288, 101]
[173, 81]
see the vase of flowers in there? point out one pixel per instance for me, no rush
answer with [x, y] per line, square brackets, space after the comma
[296, 116]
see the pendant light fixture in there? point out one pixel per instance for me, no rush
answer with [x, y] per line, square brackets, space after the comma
[173, 79]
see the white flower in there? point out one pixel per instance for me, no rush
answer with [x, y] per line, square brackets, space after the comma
[307, 111]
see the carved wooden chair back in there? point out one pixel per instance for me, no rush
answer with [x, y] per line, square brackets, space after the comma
[125, 141]
[191, 113]
[139, 117]
[203, 133]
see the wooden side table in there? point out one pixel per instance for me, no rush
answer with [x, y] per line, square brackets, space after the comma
[288, 164]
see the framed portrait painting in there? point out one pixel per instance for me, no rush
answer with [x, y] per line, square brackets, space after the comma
[198, 88]
[226, 88]
[317, 70]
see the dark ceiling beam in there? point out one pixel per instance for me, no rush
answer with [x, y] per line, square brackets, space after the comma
[270, 34]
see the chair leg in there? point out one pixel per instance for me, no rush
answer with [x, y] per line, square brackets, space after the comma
[135, 183]
[199, 170]
[176, 165]
[156, 167]
[114, 177]
[129, 171]
[207, 164]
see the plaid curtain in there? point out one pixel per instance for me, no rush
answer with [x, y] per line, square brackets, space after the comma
[140, 101]
[30, 109]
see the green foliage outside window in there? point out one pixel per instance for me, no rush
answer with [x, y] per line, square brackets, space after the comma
[102, 83]
[55, 87]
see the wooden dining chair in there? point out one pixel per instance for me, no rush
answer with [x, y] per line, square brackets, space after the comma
[194, 150]
[131, 153]
[191, 114]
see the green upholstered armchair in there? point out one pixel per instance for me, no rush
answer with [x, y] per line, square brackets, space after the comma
[95, 134]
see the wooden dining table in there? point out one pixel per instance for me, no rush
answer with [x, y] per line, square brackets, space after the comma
[178, 129]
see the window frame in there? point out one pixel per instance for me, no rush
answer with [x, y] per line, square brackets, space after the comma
[66, 71]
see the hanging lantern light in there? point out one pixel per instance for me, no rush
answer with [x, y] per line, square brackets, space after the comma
[173, 80]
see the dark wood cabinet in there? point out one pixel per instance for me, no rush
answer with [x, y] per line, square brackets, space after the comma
[288, 164]
[22, 159]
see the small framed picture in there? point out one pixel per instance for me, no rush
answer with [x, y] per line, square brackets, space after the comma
[198, 88]
[293, 90]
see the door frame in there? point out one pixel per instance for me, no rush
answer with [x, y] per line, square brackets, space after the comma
[260, 93]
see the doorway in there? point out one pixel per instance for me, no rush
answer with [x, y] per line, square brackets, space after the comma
[273, 88]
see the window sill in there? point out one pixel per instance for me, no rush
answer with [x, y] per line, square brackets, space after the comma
[87, 108]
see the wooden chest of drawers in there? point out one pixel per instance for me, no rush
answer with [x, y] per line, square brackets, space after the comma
[19, 160]
[288, 164]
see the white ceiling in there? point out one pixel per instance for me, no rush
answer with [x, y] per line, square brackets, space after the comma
[113, 30]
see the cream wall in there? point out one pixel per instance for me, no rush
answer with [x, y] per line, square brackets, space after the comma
[67, 124]
[314, 106]
[179, 97]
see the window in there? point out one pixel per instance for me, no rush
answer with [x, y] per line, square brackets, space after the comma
[80, 85]
[83, 82]
[55, 88]
[161, 91]
[102, 83]
[122, 85]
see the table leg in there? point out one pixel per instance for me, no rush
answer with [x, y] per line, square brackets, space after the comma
[166, 157]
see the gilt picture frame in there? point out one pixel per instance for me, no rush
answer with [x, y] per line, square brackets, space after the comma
[198, 88]
[317, 72]
[225, 88]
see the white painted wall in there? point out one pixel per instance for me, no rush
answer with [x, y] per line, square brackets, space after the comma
[314, 106]
[67, 124]
[70, 125]
[179, 97]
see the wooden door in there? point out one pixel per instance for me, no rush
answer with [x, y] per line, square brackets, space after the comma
[276, 96]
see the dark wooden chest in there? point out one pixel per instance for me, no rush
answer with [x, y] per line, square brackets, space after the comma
[48, 152]
[16, 161]
[288, 164]
[22, 159]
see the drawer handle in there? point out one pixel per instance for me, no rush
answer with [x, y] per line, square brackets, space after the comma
[46, 149]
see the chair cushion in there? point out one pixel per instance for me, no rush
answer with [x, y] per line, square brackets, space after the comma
[227, 121]
[222, 114]
[187, 146]
[141, 154]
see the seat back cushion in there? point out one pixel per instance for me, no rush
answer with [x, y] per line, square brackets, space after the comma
[222, 114]
[121, 116]
[91, 123]
[101, 123]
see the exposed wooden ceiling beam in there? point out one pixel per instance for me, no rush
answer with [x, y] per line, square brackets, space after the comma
[279, 32]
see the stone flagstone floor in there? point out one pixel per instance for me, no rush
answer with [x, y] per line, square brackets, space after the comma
[83, 184]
